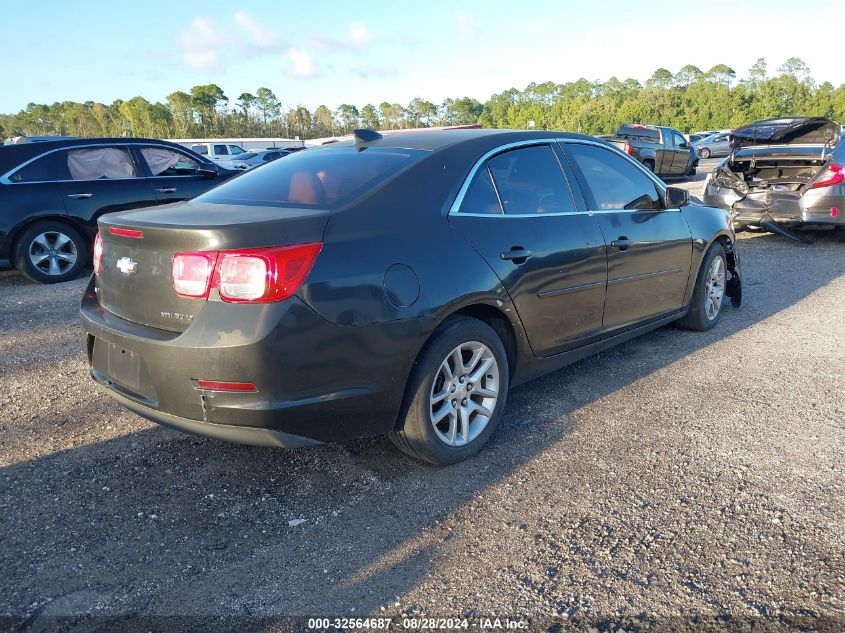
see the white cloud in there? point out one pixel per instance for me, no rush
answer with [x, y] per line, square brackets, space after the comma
[302, 64]
[201, 44]
[260, 35]
[466, 24]
[356, 37]
[359, 34]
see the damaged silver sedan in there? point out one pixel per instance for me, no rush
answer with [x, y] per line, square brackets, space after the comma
[782, 174]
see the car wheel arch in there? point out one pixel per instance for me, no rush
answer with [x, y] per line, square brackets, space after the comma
[17, 231]
[490, 315]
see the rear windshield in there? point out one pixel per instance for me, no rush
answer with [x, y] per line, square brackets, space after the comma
[324, 178]
[200, 149]
[633, 133]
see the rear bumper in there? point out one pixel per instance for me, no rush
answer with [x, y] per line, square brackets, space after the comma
[316, 381]
[816, 207]
[225, 432]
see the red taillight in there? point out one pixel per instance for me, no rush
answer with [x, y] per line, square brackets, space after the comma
[126, 232]
[258, 275]
[628, 149]
[834, 212]
[192, 273]
[220, 385]
[832, 175]
[263, 275]
[98, 253]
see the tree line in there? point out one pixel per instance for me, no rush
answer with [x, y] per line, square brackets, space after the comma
[690, 100]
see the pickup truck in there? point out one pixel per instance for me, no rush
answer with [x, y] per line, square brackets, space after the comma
[224, 154]
[662, 150]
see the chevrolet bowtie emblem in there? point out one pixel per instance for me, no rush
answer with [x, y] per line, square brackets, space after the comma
[126, 265]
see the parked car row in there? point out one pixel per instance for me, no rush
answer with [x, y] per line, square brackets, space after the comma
[246, 312]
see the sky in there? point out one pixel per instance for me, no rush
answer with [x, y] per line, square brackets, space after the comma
[332, 52]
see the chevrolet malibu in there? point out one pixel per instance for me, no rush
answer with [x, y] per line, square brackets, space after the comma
[395, 285]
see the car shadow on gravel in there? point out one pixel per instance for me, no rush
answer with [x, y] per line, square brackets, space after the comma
[159, 522]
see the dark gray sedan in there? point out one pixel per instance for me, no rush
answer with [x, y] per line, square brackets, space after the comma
[714, 146]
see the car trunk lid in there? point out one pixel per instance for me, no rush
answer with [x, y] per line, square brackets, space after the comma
[787, 131]
[135, 281]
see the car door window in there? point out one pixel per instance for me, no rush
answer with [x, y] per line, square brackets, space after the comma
[480, 196]
[234, 150]
[39, 170]
[97, 163]
[221, 150]
[613, 182]
[529, 180]
[680, 141]
[164, 161]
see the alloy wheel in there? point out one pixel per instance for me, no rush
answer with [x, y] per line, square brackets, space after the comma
[464, 393]
[714, 288]
[53, 253]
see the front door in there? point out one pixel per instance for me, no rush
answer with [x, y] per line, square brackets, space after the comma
[518, 213]
[649, 248]
[174, 176]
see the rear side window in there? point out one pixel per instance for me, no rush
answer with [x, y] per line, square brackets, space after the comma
[325, 178]
[529, 180]
[98, 163]
[480, 196]
[613, 182]
[220, 150]
[38, 170]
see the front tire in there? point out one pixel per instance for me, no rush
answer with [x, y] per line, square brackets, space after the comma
[455, 395]
[708, 297]
[50, 252]
[704, 153]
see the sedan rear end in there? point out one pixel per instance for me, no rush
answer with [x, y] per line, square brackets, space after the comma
[782, 173]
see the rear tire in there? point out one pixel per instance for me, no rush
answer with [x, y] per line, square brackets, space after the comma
[451, 411]
[704, 153]
[50, 252]
[649, 164]
[708, 296]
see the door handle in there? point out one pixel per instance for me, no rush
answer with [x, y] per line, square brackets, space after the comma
[167, 190]
[83, 196]
[622, 243]
[516, 254]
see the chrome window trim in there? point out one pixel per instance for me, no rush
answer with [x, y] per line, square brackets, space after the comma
[456, 205]
[454, 209]
[6, 178]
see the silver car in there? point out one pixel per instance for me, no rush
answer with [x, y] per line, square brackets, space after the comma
[782, 173]
[714, 146]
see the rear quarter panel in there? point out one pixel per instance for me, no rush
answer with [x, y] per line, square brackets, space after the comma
[22, 203]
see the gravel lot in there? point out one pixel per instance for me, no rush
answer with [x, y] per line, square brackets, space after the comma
[683, 478]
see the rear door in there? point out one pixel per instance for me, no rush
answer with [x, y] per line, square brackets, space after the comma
[101, 179]
[173, 175]
[649, 249]
[518, 212]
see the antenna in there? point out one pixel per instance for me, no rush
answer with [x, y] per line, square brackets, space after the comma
[365, 136]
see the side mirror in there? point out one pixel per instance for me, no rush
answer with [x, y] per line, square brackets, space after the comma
[676, 197]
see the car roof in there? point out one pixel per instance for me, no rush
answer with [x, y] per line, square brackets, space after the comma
[433, 140]
[13, 155]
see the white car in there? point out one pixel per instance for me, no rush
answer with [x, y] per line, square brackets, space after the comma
[224, 154]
